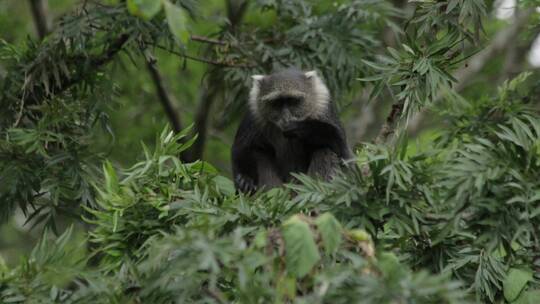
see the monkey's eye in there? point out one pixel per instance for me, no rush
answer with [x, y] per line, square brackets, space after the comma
[294, 101]
[287, 101]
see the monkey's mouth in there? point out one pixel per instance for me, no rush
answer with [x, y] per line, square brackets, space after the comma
[290, 134]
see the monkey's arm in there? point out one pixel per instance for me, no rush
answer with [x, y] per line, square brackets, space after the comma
[244, 174]
[329, 146]
[323, 164]
[267, 172]
[320, 134]
[252, 168]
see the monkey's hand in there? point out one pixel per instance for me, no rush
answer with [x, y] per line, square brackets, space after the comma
[297, 129]
[312, 132]
[323, 164]
[245, 184]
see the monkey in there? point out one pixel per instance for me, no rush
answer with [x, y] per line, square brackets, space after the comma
[291, 126]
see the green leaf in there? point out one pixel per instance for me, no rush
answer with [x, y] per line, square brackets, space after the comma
[260, 240]
[301, 253]
[360, 235]
[389, 265]
[528, 297]
[408, 49]
[330, 230]
[286, 286]
[202, 167]
[3, 266]
[177, 22]
[515, 281]
[111, 180]
[224, 185]
[145, 9]
[53, 294]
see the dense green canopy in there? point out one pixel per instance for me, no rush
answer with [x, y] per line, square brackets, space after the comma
[440, 205]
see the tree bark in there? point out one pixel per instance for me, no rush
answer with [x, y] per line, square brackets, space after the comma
[236, 10]
[40, 14]
[165, 97]
[389, 125]
[200, 123]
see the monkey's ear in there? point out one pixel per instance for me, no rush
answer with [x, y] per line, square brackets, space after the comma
[257, 78]
[311, 74]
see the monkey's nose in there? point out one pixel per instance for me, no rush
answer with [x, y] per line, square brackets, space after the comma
[290, 129]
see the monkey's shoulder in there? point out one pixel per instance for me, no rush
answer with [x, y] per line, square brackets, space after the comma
[250, 135]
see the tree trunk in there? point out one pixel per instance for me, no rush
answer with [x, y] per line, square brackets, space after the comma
[40, 12]
[165, 97]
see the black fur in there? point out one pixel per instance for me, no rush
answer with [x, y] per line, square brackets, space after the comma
[266, 157]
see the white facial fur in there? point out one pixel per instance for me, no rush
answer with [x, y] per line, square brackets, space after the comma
[317, 100]
[254, 94]
[321, 94]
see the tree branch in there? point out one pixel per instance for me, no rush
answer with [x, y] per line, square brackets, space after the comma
[200, 126]
[40, 15]
[205, 60]
[97, 62]
[207, 40]
[216, 63]
[236, 10]
[115, 47]
[388, 127]
[216, 295]
[165, 97]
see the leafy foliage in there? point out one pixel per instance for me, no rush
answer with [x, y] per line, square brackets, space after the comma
[51, 104]
[453, 222]
[306, 35]
[195, 242]
[163, 221]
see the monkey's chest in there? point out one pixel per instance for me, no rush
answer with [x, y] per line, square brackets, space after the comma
[291, 157]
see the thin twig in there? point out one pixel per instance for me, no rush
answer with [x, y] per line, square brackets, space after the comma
[389, 125]
[19, 114]
[69, 81]
[216, 295]
[216, 63]
[205, 60]
[503, 40]
[112, 50]
[207, 40]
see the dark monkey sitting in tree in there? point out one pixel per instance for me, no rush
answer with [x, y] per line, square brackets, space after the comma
[291, 127]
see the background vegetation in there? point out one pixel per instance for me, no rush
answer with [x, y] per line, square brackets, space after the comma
[107, 195]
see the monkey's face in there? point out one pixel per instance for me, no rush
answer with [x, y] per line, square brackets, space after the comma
[287, 98]
[285, 112]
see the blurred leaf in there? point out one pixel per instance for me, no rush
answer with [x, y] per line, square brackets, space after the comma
[389, 265]
[176, 18]
[300, 248]
[225, 185]
[111, 180]
[330, 230]
[528, 297]
[514, 283]
[145, 9]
